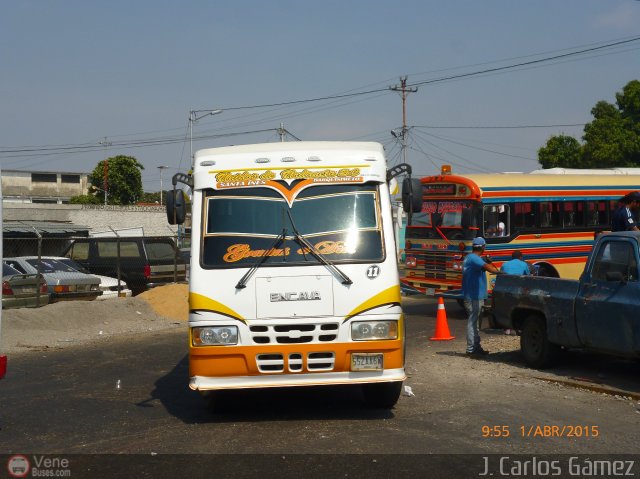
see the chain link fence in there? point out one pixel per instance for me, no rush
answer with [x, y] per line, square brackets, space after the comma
[86, 268]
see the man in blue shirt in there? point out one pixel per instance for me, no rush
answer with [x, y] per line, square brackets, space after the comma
[623, 219]
[515, 265]
[474, 291]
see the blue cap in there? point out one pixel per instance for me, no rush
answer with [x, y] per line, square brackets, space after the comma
[479, 241]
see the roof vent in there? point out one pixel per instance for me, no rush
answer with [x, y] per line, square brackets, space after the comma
[263, 160]
[207, 163]
[288, 159]
[314, 158]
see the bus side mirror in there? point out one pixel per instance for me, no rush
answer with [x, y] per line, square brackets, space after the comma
[176, 207]
[412, 195]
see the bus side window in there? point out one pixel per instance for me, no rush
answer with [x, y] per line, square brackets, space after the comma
[550, 214]
[524, 216]
[496, 220]
[593, 213]
[572, 213]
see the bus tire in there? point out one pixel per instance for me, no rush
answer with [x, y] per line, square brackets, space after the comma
[546, 270]
[382, 395]
[536, 349]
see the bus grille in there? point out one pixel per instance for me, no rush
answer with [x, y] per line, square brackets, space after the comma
[433, 264]
[273, 363]
[294, 333]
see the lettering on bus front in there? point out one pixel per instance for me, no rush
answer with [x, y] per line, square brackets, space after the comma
[238, 252]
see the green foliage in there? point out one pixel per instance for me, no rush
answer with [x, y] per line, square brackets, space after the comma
[560, 149]
[612, 139]
[85, 200]
[150, 198]
[124, 179]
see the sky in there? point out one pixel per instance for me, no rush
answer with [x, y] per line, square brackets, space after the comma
[82, 80]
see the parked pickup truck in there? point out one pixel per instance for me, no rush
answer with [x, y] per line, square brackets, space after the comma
[600, 312]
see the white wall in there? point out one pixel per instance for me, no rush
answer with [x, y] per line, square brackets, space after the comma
[152, 219]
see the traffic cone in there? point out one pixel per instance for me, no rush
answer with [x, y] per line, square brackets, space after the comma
[442, 328]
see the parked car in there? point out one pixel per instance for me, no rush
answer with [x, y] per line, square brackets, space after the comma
[144, 262]
[22, 290]
[108, 285]
[63, 281]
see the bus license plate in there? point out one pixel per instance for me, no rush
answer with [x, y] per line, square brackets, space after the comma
[430, 291]
[367, 362]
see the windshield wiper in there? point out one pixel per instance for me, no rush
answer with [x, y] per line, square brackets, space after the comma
[302, 240]
[243, 281]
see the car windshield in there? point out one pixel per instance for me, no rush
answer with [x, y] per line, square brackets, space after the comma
[450, 219]
[341, 222]
[51, 266]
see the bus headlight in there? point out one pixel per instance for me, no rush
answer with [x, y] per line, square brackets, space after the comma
[373, 330]
[214, 335]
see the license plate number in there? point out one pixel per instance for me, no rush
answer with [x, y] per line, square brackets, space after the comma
[367, 362]
[430, 291]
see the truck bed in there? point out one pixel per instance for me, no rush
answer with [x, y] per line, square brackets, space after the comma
[517, 297]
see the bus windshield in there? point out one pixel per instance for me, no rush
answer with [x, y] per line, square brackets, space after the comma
[341, 222]
[446, 219]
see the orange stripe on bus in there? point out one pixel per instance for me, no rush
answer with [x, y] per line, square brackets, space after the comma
[543, 193]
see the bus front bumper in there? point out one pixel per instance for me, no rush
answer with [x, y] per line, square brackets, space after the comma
[202, 383]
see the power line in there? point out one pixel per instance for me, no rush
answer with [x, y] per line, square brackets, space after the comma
[17, 152]
[442, 79]
[481, 149]
[521, 64]
[498, 127]
[46, 151]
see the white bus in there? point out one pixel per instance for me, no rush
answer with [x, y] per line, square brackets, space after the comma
[294, 278]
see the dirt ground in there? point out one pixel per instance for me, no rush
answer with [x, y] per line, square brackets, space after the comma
[69, 323]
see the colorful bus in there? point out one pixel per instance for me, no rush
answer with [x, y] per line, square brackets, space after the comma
[293, 277]
[551, 218]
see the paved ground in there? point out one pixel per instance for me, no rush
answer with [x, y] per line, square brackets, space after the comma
[64, 402]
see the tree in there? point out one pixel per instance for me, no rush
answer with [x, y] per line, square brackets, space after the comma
[124, 179]
[559, 150]
[611, 140]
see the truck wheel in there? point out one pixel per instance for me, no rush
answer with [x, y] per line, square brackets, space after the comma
[538, 352]
[382, 395]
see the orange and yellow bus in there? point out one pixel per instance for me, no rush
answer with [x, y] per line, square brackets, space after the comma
[293, 278]
[551, 218]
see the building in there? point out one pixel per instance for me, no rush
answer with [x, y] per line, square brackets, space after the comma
[20, 186]
[39, 219]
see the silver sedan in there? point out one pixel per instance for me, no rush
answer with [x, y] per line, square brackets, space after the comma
[63, 281]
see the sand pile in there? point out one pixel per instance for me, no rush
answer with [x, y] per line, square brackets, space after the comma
[69, 323]
[171, 301]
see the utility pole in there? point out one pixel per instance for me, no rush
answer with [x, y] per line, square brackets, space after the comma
[282, 132]
[195, 115]
[403, 134]
[105, 144]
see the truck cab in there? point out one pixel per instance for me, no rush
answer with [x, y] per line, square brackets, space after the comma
[608, 299]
